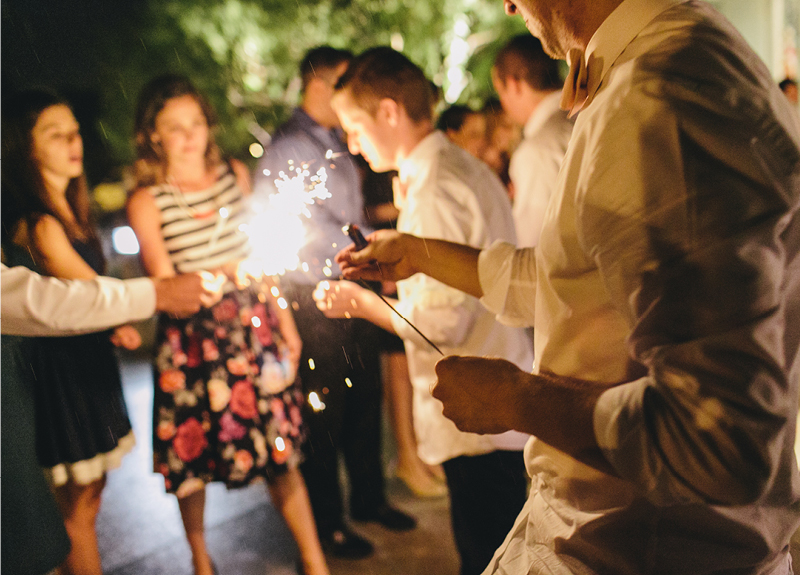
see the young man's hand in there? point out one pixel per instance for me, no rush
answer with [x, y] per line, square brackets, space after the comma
[387, 257]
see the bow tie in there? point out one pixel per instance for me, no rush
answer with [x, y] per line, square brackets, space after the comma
[576, 87]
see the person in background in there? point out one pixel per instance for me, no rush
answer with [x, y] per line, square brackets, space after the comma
[227, 403]
[441, 191]
[335, 351]
[34, 540]
[664, 294]
[528, 83]
[82, 425]
[464, 127]
[502, 136]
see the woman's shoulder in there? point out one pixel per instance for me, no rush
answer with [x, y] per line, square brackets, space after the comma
[45, 226]
[239, 171]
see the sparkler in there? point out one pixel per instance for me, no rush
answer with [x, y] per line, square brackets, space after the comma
[361, 242]
[276, 230]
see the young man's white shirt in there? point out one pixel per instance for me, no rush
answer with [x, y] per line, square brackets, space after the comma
[445, 193]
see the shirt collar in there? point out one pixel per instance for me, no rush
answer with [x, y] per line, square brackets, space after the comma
[624, 24]
[410, 168]
[546, 108]
[426, 148]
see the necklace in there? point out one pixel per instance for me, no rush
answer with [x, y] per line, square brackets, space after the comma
[223, 212]
[192, 212]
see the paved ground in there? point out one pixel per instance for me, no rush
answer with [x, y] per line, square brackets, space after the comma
[140, 531]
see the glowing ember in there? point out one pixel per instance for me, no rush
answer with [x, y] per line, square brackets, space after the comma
[311, 364]
[275, 291]
[276, 230]
[280, 445]
[256, 322]
[348, 382]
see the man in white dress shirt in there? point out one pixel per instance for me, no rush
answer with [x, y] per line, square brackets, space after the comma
[528, 84]
[34, 305]
[665, 298]
[384, 104]
[33, 537]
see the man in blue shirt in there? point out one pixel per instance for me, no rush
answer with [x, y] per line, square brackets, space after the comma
[340, 362]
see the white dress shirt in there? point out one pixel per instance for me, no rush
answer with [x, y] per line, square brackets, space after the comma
[33, 305]
[535, 164]
[668, 259]
[452, 196]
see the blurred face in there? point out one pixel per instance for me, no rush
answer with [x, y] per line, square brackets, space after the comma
[372, 137]
[511, 97]
[472, 135]
[327, 83]
[181, 130]
[547, 20]
[57, 145]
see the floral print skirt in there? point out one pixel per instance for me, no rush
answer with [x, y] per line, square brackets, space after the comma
[227, 401]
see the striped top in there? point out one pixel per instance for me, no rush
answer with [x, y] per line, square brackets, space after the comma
[201, 229]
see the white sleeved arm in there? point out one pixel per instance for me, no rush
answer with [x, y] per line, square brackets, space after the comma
[33, 305]
[508, 280]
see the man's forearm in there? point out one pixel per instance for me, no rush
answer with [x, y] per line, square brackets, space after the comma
[453, 264]
[484, 395]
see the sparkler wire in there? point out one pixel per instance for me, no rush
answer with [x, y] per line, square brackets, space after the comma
[360, 242]
[401, 316]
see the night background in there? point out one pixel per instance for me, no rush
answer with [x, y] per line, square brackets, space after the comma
[243, 54]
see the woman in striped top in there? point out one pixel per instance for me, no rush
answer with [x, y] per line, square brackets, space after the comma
[227, 403]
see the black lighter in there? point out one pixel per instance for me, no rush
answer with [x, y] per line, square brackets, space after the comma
[355, 236]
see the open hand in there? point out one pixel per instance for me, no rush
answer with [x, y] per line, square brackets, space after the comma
[338, 299]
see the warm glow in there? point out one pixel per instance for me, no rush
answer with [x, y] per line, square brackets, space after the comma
[256, 150]
[314, 401]
[276, 230]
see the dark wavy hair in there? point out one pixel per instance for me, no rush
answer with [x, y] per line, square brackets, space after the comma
[24, 195]
[151, 162]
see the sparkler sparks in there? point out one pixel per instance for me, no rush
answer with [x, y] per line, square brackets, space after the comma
[276, 230]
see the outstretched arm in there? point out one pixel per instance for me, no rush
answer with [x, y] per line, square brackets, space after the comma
[34, 305]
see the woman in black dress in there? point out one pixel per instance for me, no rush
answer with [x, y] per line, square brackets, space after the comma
[82, 426]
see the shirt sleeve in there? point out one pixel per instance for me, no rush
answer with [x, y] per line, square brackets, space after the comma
[33, 305]
[508, 280]
[689, 231]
